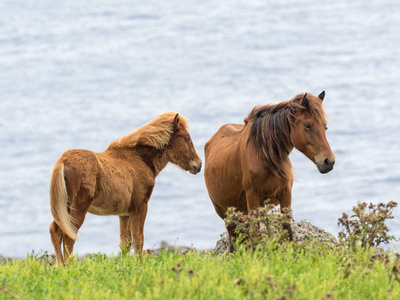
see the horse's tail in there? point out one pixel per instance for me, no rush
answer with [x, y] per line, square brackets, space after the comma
[59, 202]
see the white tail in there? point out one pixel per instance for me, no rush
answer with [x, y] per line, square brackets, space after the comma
[59, 202]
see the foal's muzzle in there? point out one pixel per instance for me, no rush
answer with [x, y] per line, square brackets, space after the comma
[195, 166]
[325, 165]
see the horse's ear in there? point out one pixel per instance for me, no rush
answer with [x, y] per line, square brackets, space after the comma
[176, 122]
[322, 96]
[304, 101]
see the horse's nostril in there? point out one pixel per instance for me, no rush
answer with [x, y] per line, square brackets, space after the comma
[195, 169]
[328, 162]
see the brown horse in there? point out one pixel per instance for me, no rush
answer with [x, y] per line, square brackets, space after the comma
[118, 181]
[246, 165]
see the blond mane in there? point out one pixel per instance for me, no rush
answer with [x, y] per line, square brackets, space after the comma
[155, 133]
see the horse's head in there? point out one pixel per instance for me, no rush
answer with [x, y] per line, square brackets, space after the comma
[181, 149]
[308, 134]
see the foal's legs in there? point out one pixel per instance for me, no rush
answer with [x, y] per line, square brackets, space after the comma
[79, 207]
[136, 220]
[125, 236]
[56, 239]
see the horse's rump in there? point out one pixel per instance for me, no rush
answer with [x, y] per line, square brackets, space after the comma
[227, 134]
[75, 170]
[81, 171]
[222, 171]
[59, 202]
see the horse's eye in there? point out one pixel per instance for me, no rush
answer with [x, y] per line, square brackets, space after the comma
[326, 128]
[307, 126]
[187, 138]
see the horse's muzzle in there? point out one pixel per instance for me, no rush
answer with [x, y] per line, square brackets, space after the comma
[325, 165]
[195, 167]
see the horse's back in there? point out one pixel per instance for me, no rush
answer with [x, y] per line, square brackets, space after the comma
[228, 133]
[108, 179]
[222, 172]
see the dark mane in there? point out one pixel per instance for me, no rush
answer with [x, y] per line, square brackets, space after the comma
[271, 126]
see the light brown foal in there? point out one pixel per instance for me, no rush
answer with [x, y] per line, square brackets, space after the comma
[118, 181]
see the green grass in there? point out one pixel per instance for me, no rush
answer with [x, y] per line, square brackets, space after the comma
[291, 271]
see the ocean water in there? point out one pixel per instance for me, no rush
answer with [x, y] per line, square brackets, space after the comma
[80, 74]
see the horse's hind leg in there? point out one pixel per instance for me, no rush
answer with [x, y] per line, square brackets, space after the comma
[56, 235]
[79, 207]
[232, 236]
[125, 236]
[230, 229]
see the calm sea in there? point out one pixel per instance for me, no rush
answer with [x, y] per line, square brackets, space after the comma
[78, 74]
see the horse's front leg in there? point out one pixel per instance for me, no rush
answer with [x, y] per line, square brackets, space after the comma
[136, 220]
[285, 200]
[253, 199]
[125, 236]
[253, 202]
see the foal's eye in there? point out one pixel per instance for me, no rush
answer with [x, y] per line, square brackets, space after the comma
[187, 138]
[326, 128]
[307, 126]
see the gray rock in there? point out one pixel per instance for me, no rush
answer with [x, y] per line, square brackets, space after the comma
[302, 231]
[222, 244]
[174, 248]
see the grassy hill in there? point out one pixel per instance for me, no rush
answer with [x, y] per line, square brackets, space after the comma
[274, 271]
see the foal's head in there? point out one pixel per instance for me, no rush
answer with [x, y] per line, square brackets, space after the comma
[308, 134]
[181, 148]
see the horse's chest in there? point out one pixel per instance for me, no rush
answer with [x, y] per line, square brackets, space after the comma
[276, 192]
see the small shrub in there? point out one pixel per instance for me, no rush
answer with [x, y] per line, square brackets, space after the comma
[262, 223]
[366, 228]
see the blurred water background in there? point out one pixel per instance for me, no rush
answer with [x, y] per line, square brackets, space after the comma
[79, 74]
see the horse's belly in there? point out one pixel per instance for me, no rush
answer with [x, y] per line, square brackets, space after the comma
[111, 205]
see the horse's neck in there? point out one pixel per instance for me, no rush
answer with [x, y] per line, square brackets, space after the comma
[155, 159]
[277, 162]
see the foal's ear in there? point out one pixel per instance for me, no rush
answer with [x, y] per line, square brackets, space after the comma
[176, 122]
[322, 96]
